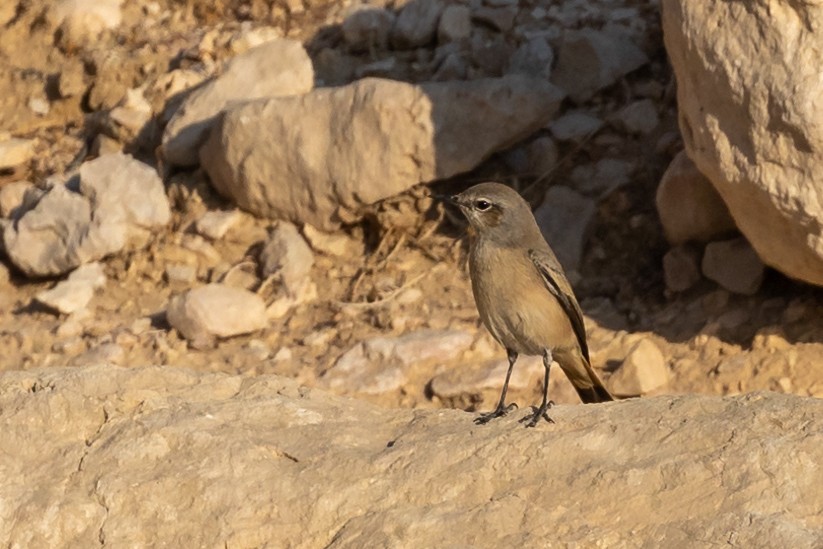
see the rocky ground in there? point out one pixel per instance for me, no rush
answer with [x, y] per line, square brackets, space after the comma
[381, 305]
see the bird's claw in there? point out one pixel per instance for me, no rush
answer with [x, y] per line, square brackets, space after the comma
[500, 411]
[539, 412]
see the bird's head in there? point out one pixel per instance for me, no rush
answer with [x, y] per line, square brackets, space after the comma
[497, 212]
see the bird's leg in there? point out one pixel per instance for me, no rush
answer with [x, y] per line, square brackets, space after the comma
[546, 404]
[501, 409]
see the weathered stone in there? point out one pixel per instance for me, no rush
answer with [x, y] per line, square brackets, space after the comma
[565, 218]
[455, 24]
[501, 19]
[11, 197]
[639, 117]
[333, 244]
[120, 201]
[287, 255]
[215, 311]
[749, 112]
[575, 126]
[534, 57]
[321, 157]
[367, 29]
[15, 152]
[112, 450]
[83, 21]
[589, 60]
[689, 207]
[473, 379]
[603, 177]
[215, 224]
[383, 364]
[276, 68]
[74, 293]
[643, 370]
[681, 268]
[734, 265]
[417, 23]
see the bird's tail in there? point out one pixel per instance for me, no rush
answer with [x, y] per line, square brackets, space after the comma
[584, 379]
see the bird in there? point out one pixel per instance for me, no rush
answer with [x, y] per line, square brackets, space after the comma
[523, 296]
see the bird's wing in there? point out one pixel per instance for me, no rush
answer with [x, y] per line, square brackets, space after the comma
[558, 285]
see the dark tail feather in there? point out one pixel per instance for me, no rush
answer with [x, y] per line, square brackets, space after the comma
[588, 384]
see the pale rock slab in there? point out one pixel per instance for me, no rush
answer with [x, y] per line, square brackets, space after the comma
[689, 207]
[565, 219]
[74, 293]
[416, 24]
[383, 364]
[112, 450]
[215, 224]
[735, 265]
[455, 24]
[83, 21]
[117, 204]
[639, 117]
[287, 255]
[643, 370]
[575, 126]
[590, 60]
[275, 68]
[681, 268]
[15, 152]
[321, 157]
[367, 29]
[749, 112]
[215, 311]
[469, 379]
[11, 197]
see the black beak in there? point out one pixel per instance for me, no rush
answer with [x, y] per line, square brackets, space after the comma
[448, 199]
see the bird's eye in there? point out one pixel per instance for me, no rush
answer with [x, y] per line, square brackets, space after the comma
[482, 205]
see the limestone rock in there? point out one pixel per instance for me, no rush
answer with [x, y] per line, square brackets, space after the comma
[382, 364]
[734, 265]
[332, 244]
[367, 29]
[287, 255]
[455, 24]
[215, 311]
[275, 68]
[83, 21]
[565, 218]
[468, 379]
[575, 126]
[643, 370]
[15, 152]
[681, 268]
[118, 202]
[74, 293]
[321, 157]
[589, 60]
[215, 224]
[112, 451]
[639, 117]
[499, 18]
[603, 177]
[534, 57]
[750, 118]
[11, 197]
[689, 207]
[417, 23]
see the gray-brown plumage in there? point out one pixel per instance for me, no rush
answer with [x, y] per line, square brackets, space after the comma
[522, 293]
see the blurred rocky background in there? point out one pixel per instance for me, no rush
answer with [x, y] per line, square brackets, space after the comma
[239, 191]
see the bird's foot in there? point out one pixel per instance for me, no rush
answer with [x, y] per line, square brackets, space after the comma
[539, 412]
[500, 411]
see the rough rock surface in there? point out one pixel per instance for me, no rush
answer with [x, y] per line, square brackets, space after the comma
[119, 200]
[565, 219]
[150, 456]
[749, 95]
[689, 206]
[275, 68]
[320, 157]
[734, 265]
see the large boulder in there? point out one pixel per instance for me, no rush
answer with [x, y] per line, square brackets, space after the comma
[115, 204]
[321, 157]
[150, 456]
[274, 68]
[749, 95]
